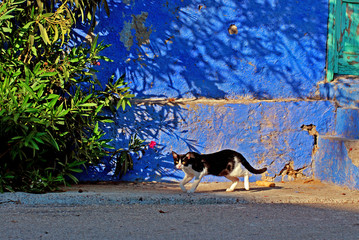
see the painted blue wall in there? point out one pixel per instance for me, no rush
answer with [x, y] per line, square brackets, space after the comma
[339, 162]
[182, 48]
[267, 133]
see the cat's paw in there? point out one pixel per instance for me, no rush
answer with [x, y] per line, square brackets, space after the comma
[229, 190]
[190, 191]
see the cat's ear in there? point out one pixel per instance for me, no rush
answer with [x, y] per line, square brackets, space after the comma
[175, 155]
[190, 155]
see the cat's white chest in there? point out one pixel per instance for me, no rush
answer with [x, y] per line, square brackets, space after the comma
[189, 170]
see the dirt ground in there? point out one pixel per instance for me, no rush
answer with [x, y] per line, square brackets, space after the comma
[299, 191]
[292, 210]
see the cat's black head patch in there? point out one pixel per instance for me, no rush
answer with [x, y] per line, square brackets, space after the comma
[180, 160]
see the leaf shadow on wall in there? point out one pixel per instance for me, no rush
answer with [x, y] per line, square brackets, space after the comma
[182, 49]
[151, 121]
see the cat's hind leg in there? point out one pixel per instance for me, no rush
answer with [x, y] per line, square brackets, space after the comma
[234, 180]
[184, 181]
[246, 182]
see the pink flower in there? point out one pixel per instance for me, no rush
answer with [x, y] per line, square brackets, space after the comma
[98, 63]
[152, 144]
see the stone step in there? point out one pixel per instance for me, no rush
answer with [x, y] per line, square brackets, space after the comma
[347, 123]
[337, 161]
[344, 91]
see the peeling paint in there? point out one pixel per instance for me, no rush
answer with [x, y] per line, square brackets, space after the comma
[291, 173]
[126, 36]
[168, 40]
[233, 29]
[352, 148]
[142, 32]
[200, 7]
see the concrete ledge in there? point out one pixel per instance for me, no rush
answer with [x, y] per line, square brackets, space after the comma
[347, 123]
[309, 191]
[337, 161]
[345, 91]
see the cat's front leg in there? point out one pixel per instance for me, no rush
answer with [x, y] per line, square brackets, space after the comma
[184, 181]
[197, 181]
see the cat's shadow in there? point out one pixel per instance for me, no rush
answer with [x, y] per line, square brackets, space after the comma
[253, 189]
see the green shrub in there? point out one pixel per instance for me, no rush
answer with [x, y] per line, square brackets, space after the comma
[51, 105]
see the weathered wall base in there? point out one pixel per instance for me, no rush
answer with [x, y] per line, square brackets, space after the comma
[337, 158]
[267, 133]
[337, 161]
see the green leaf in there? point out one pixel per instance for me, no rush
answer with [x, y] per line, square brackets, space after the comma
[37, 69]
[29, 90]
[72, 177]
[56, 34]
[48, 74]
[77, 170]
[5, 17]
[27, 25]
[52, 103]
[95, 130]
[39, 140]
[51, 140]
[87, 105]
[74, 60]
[94, 44]
[43, 34]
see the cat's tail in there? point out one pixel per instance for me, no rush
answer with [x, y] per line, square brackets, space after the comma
[246, 164]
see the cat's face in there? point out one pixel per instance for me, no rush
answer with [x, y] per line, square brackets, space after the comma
[180, 160]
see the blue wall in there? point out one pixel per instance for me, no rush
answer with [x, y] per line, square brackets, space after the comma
[176, 49]
[265, 76]
[339, 163]
[267, 133]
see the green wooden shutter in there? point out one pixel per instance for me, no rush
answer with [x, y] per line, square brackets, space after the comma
[343, 38]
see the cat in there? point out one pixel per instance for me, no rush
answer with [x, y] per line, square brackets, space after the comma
[227, 163]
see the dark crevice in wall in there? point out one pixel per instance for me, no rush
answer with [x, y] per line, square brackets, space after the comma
[288, 170]
[311, 129]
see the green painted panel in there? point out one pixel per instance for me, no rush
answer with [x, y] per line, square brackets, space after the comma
[348, 62]
[343, 38]
[332, 47]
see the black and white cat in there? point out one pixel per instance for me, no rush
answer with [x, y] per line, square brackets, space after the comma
[227, 163]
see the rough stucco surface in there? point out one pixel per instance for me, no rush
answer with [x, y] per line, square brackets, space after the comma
[338, 163]
[266, 133]
[182, 48]
[245, 51]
